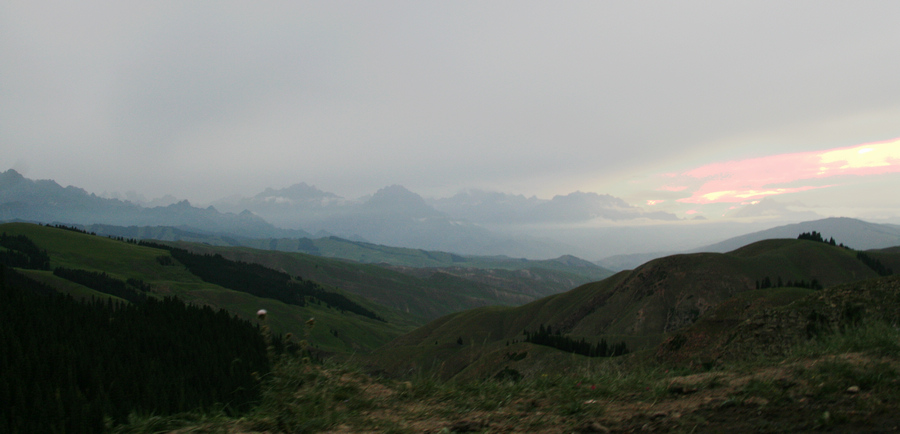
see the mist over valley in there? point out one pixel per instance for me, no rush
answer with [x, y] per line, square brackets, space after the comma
[446, 217]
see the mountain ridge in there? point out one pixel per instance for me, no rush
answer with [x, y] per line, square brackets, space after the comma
[855, 233]
[46, 201]
[472, 222]
[851, 232]
[640, 307]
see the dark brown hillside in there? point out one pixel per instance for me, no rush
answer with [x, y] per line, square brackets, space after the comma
[641, 307]
[774, 331]
[666, 294]
[700, 344]
[773, 321]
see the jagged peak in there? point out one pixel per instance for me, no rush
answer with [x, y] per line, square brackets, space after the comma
[474, 196]
[11, 174]
[396, 193]
[299, 191]
[574, 261]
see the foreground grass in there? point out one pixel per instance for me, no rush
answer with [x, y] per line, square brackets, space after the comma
[301, 397]
[304, 397]
[850, 378]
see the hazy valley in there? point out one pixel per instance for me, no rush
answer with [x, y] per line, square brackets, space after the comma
[347, 318]
[449, 217]
[587, 225]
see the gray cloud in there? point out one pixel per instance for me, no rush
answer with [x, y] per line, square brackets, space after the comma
[204, 99]
[771, 208]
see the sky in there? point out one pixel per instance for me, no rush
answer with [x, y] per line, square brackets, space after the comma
[739, 109]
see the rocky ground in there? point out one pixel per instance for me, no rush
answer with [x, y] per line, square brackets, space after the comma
[852, 392]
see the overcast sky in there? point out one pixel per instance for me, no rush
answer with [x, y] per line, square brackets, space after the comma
[697, 108]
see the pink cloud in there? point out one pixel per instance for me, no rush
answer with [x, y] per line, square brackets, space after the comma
[755, 178]
[672, 188]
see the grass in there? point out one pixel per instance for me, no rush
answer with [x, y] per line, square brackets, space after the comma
[806, 391]
[871, 336]
[300, 396]
[319, 397]
[420, 293]
[346, 332]
[554, 390]
[876, 342]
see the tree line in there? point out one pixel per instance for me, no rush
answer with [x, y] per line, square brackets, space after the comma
[77, 366]
[261, 281]
[133, 290]
[874, 264]
[20, 252]
[817, 236]
[767, 283]
[870, 262]
[70, 228]
[545, 336]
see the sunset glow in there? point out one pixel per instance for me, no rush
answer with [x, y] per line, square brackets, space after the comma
[743, 180]
[673, 188]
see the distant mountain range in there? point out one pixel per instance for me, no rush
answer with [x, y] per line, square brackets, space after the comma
[469, 222]
[474, 222]
[46, 201]
[494, 208]
[392, 216]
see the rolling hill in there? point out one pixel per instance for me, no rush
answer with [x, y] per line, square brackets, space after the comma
[771, 322]
[337, 331]
[405, 296]
[851, 232]
[428, 292]
[357, 251]
[641, 307]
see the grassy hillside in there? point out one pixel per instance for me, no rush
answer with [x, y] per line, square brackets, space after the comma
[426, 293]
[640, 307]
[711, 352]
[842, 378]
[363, 252]
[852, 232]
[336, 331]
[334, 247]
